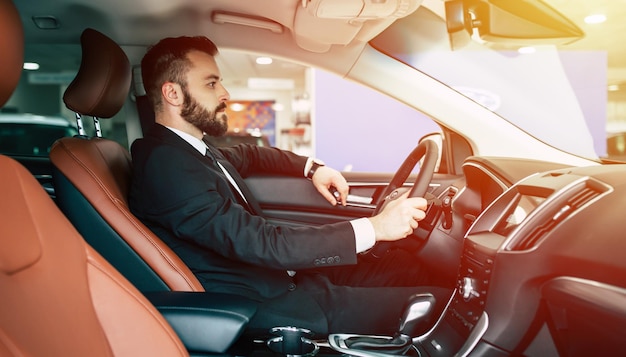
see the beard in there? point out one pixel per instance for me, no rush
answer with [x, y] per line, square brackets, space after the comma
[208, 121]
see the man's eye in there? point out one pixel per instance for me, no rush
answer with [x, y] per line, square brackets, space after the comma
[212, 84]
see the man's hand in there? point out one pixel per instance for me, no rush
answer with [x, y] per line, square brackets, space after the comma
[399, 218]
[325, 178]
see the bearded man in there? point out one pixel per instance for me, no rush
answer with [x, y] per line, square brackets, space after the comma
[192, 195]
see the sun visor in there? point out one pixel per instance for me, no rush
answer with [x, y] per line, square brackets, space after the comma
[320, 24]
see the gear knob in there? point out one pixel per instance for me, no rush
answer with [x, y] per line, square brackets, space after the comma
[417, 309]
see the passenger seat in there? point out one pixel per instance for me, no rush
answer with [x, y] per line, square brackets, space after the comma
[92, 176]
[58, 297]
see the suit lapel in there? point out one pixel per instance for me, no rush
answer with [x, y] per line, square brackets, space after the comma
[167, 136]
[249, 202]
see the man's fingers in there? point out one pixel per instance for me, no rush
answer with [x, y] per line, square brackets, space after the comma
[418, 202]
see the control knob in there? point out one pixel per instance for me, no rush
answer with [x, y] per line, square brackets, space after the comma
[467, 289]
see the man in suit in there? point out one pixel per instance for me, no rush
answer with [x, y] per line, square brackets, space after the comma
[192, 196]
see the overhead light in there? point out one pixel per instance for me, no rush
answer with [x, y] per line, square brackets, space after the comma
[31, 66]
[595, 19]
[236, 107]
[526, 50]
[46, 22]
[264, 60]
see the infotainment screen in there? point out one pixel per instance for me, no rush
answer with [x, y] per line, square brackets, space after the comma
[517, 213]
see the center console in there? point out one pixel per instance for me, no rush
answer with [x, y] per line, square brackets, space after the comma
[507, 252]
[512, 228]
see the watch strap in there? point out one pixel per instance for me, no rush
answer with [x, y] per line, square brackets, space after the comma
[313, 169]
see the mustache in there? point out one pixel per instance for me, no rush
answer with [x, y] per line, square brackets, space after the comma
[221, 106]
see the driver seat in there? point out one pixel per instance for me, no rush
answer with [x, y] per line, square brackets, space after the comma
[92, 176]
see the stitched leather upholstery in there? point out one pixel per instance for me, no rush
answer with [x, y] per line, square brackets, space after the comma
[99, 169]
[92, 176]
[59, 296]
[103, 79]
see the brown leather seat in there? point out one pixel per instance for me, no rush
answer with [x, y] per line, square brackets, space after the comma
[92, 176]
[58, 297]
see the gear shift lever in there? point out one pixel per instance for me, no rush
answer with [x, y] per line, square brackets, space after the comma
[416, 309]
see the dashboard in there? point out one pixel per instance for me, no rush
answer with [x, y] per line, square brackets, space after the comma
[542, 269]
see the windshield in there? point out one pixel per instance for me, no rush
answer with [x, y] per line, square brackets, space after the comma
[557, 96]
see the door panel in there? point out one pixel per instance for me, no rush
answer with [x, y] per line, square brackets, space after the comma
[295, 202]
[290, 200]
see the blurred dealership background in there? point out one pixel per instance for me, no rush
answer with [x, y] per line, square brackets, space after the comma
[316, 113]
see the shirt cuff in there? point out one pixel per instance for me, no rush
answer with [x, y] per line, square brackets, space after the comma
[364, 234]
[307, 166]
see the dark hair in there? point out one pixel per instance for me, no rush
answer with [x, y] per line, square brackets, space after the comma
[167, 61]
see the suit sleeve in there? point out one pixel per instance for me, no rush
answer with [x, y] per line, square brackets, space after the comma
[185, 195]
[252, 159]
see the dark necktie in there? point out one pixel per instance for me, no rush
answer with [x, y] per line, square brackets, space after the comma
[236, 181]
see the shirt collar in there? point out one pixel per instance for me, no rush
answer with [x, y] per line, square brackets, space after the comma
[192, 140]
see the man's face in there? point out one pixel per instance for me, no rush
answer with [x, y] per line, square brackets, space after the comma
[204, 90]
[213, 123]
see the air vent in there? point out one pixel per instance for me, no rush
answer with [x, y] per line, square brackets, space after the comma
[585, 195]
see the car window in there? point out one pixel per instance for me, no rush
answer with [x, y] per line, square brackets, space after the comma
[540, 89]
[294, 107]
[30, 139]
[37, 104]
[317, 113]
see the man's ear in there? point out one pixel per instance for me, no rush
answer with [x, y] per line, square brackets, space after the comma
[172, 93]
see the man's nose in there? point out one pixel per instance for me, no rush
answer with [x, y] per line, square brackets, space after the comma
[223, 95]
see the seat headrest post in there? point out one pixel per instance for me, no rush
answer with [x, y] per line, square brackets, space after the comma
[96, 124]
[79, 125]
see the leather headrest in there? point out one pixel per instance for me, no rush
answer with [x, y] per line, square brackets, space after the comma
[103, 79]
[12, 45]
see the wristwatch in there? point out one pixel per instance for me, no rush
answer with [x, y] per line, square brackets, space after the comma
[316, 164]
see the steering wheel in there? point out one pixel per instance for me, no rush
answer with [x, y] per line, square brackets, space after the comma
[429, 151]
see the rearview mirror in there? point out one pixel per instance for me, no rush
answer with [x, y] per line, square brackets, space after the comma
[511, 23]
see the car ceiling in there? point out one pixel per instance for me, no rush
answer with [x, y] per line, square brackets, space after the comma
[136, 24]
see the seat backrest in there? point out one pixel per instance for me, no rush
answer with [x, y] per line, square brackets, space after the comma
[58, 297]
[92, 176]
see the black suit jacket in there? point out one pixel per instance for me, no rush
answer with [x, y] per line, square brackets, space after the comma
[185, 198]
